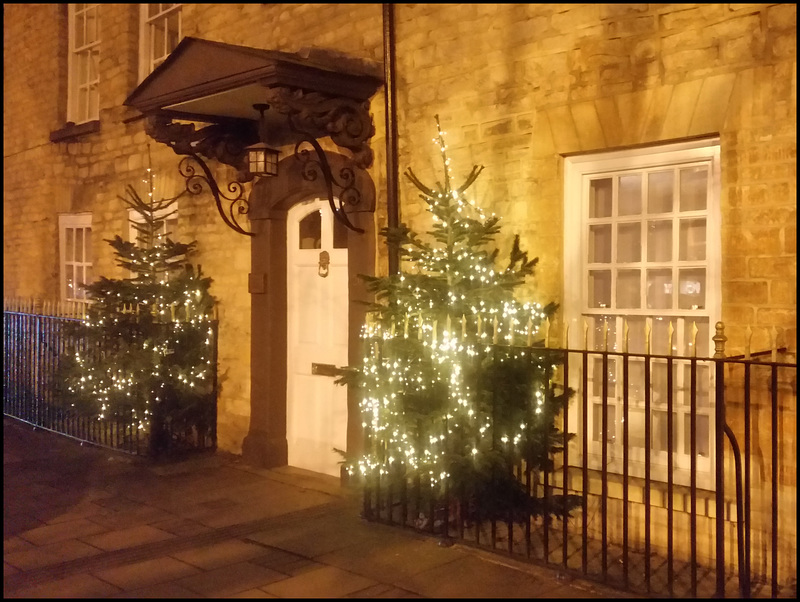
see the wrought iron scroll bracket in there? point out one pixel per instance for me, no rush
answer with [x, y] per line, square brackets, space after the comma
[348, 194]
[238, 204]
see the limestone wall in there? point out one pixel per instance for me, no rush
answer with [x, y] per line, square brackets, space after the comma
[516, 86]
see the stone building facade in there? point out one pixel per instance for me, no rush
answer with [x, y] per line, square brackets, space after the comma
[526, 90]
[517, 87]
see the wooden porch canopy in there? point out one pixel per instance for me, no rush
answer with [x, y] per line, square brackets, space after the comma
[313, 92]
[249, 95]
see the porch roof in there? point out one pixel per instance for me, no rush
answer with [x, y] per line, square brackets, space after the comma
[202, 80]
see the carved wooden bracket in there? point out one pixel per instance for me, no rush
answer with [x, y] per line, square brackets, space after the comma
[316, 115]
[225, 143]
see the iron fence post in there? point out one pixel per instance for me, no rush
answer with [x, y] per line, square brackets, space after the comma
[719, 432]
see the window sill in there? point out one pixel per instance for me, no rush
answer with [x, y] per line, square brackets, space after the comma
[70, 131]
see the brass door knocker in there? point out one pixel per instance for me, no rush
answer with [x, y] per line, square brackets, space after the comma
[324, 262]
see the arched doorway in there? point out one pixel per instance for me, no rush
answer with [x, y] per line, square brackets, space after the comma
[278, 206]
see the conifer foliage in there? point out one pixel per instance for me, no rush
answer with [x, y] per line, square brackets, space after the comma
[146, 346]
[456, 384]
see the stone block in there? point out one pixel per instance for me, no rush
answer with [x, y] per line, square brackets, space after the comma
[709, 114]
[783, 292]
[634, 107]
[772, 267]
[587, 124]
[783, 16]
[563, 127]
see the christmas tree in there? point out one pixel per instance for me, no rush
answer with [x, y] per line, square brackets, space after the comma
[456, 384]
[146, 352]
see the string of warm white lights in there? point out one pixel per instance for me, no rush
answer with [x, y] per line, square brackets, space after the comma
[149, 338]
[448, 320]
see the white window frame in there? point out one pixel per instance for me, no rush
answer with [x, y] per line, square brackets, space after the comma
[151, 57]
[83, 90]
[72, 269]
[578, 172]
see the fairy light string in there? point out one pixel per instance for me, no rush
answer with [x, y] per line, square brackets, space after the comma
[149, 337]
[454, 370]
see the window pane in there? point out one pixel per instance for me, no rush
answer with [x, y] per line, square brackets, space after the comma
[659, 382]
[88, 244]
[83, 68]
[79, 244]
[636, 428]
[692, 285]
[702, 337]
[173, 31]
[597, 411]
[80, 35]
[93, 108]
[630, 195]
[635, 380]
[600, 198]
[701, 436]
[311, 231]
[701, 385]
[659, 431]
[600, 244]
[659, 194]
[694, 188]
[70, 279]
[629, 242]
[91, 25]
[629, 289]
[636, 334]
[83, 105]
[659, 337]
[69, 245]
[598, 326]
[159, 39]
[659, 240]
[693, 240]
[600, 288]
[659, 289]
[92, 59]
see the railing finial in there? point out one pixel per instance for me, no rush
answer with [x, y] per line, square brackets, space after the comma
[719, 340]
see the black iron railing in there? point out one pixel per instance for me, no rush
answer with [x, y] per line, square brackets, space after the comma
[36, 337]
[664, 510]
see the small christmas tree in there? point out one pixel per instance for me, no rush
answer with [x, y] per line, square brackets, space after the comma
[456, 384]
[146, 347]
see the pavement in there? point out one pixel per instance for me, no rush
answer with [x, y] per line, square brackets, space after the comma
[85, 522]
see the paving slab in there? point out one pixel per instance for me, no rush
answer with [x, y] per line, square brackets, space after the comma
[323, 582]
[50, 555]
[220, 554]
[160, 591]
[62, 531]
[127, 538]
[253, 593]
[75, 586]
[86, 522]
[230, 579]
[147, 573]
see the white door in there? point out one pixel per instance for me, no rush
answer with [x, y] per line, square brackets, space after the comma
[317, 308]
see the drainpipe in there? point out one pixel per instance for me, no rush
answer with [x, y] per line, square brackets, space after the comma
[392, 175]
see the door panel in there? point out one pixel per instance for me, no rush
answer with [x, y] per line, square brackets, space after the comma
[317, 309]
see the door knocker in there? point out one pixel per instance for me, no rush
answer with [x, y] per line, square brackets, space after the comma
[324, 262]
